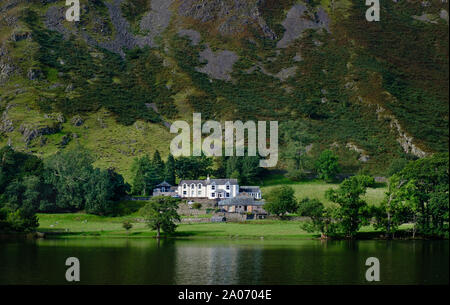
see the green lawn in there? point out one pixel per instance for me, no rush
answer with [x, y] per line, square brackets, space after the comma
[316, 190]
[83, 224]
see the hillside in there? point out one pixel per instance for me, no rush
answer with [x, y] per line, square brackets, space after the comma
[114, 81]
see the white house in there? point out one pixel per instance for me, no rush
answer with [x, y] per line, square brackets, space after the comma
[208, 188]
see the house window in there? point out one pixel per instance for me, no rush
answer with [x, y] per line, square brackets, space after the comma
[184, 192]
[199, 193]
[199, 186]
[192, 186]
[220, 195]
[213, 195]
[228, 187]
[213, 187]
[227, 195]
[184, 186]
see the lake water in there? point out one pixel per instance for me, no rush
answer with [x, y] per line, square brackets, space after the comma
[143, 261]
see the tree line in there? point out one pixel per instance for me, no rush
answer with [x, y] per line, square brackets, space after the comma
[417, 195]
[148, 172]
[64, 182]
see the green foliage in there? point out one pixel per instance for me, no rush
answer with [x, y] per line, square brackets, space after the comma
[145, 176]
[193, 167]
[20, 220]
[280, 201]
[197, 205]
[105, 80]
[127, 225]
[420, 87]
[353, 211]
[169, 171]
[327, 165]
[294, 139]
[321, 217]
[296, 175]
[424, 185]
[397, 208]
[158, 165]
[134, 10]
[397, 165]
[161, 214]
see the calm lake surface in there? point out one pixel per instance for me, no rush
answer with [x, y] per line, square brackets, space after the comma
[246, 262]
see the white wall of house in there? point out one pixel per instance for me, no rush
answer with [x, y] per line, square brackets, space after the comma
[210, 191]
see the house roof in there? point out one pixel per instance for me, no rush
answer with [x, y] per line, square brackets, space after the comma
[249, 189]
[241, 200]
[164, 184]
[203, 182]
[211, 181]
[223, 181]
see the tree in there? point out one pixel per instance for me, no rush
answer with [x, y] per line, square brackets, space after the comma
[127, 225]
[423, 184]
[295, 139]
[327, 165]
[193, 167]
[159, 166]
[396, 208]
[280, 201]
[145, 176]
[161, 214]
[20, 220]
[353, 211]
[250, 170]
[68, 172]
[169, 175]
[321, 217]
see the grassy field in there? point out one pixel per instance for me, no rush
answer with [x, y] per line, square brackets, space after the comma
[316, 189]
[88, 225]
[81, 224]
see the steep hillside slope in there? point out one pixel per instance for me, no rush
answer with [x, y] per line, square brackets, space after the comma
[115, 80]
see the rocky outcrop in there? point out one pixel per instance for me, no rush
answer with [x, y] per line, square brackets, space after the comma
[405, 140]
[34, 73]
[77, 121]
[219, 65]
[6, 124]
[156, 21]
[194, 36]
[6, 65]
[58, 117]
[363, 156]
[233, 15]
[30, 132]
[298, 20]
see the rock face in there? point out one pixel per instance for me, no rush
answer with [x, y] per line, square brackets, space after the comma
[297, 21]
[194, 36]
[6, 125]
[31, 132]
[234, 15]
[219, 64]
[77, 121]
[363, 157]
[154, 23]
[6, 66]
[158, 19]
[405, 140]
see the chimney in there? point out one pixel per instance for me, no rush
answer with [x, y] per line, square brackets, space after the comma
[207, 178]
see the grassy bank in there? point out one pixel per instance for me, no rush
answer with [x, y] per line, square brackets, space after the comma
[82, 225]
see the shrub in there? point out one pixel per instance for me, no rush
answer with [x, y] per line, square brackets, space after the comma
[197, 206]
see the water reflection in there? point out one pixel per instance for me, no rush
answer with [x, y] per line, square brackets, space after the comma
[143, 261]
